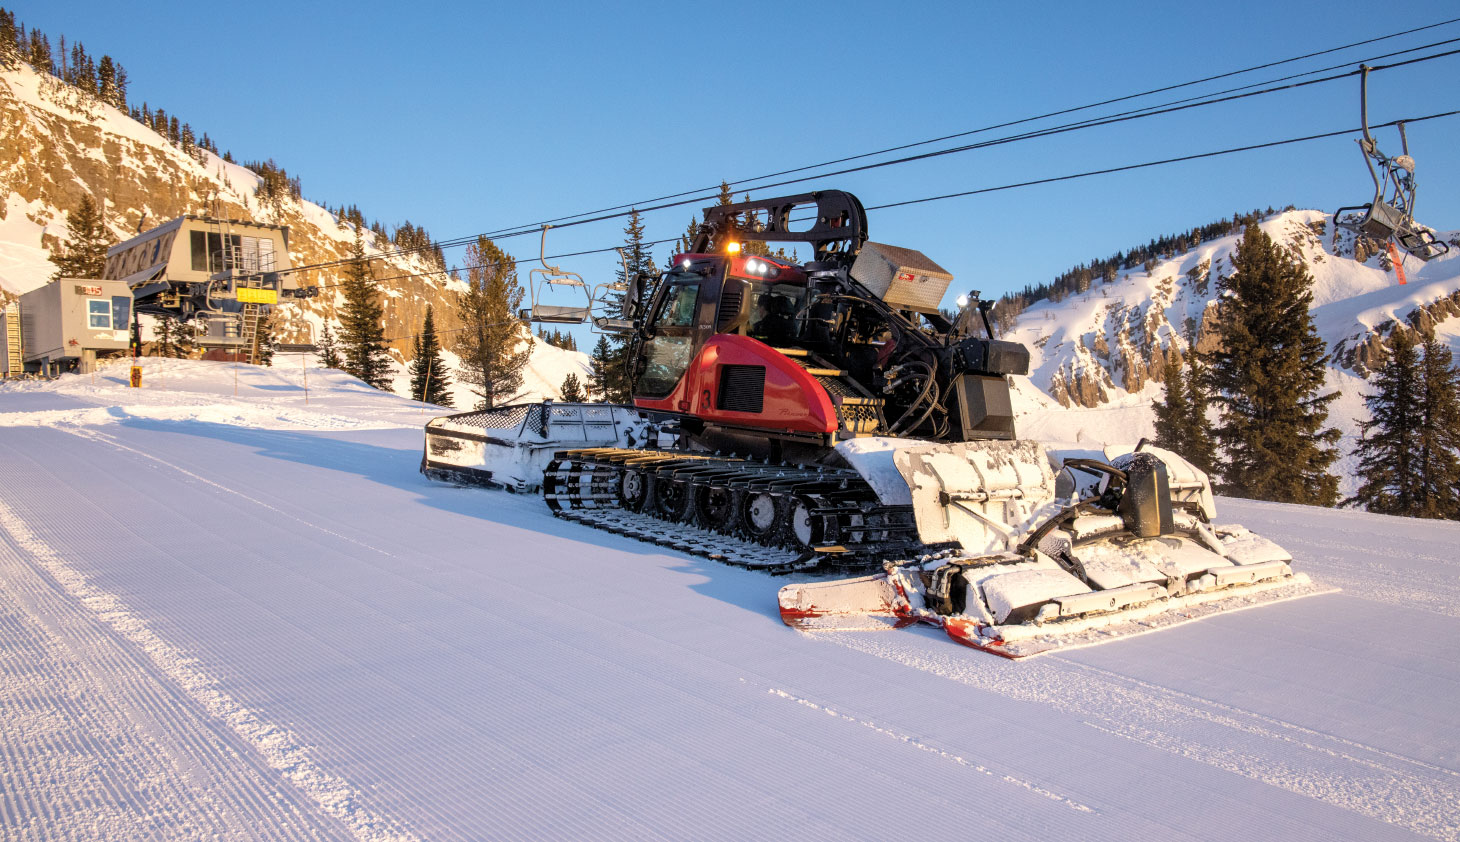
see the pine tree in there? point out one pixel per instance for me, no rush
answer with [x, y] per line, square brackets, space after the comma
[41, 56]
[1266, 377]
[639, 263]
[610, 376]
[1173, 413]
[162, 337]
[84, 253]
[9, 39]
[430, 379]
[1439, 433]
[572, 390]
[106, 80]
[1200, 448]
[120, 98]
[329, 355]
[491, 331]
[1388, 449]
[40, 53]
[268, 339]
[605, 381]
[687, 239]
[362, 331]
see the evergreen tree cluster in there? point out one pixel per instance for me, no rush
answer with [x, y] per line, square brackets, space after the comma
[106, 80]
[1409, 449]
[558, 339]
[1081, 278]
[171, 338]
[275, 187]
[1266, 381]
[415, 238]
[103, 78]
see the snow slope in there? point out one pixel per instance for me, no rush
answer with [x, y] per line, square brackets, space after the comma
[250, 617]
[1100, 353]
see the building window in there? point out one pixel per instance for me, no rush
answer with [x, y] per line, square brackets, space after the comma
[199, 241]
[121, 311]
[99, 313]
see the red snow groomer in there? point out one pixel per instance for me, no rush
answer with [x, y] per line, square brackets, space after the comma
[828, 416]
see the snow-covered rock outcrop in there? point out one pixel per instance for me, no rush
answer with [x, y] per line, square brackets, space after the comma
[58, 144]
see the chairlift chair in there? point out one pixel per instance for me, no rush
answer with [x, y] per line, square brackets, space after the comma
[605, 320]
[540, 281]
[1392, 216]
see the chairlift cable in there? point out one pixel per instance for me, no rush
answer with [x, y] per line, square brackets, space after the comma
[999, 188]
[1020, 121]
[1149, 111]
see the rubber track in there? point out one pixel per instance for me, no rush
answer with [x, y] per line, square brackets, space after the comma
[582, 486]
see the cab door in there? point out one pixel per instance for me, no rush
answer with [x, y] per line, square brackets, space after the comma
[677, 328]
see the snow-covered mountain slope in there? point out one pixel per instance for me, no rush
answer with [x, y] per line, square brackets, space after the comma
[1101, 353]
[57, 144]
[248, 616]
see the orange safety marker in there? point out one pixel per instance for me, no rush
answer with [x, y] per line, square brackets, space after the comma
[1398, 261]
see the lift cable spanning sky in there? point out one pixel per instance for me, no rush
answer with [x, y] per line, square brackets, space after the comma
[972, 192]
[703, 194]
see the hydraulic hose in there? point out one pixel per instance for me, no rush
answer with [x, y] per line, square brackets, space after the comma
[931, 382]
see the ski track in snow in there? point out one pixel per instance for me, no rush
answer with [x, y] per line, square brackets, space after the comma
[282, 750]
[351, 677]
[111, 441]
[1348, 774]
[924, 746]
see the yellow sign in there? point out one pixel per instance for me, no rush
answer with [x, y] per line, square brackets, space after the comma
[136, 377]
[249, 295]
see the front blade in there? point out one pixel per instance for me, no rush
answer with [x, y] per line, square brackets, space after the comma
[867, 603]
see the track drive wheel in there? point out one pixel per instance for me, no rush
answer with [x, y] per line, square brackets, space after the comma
[668, 499]
[717, 508]
[804, 528]
[763, 516]
[632, 486]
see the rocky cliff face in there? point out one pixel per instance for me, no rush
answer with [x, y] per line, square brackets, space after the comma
[1114, 340]
[57, 144]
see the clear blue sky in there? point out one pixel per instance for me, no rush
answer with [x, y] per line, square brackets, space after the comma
[467, 117]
